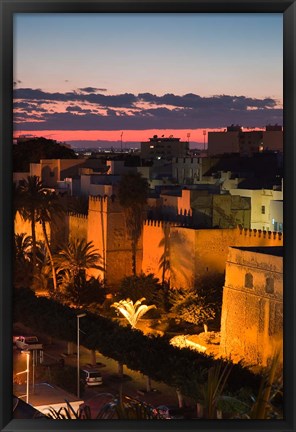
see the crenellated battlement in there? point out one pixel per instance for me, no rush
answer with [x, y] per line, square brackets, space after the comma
[77, 215]
[102, 202]
[100, 198]
[161, 224]
[272, 235]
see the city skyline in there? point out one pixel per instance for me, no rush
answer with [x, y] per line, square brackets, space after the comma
[100, 74]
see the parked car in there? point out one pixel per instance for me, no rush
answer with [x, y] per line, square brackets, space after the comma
[170, 412]
[28, 343]
[91, 376]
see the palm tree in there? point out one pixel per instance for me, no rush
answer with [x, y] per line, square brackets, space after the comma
[271, 386]
[22, 247]
[77, 256]
[213, 389]
[74, 259]
[22, 257]
[192, 307]
[31, 191]
[133, 193]
[132, 312]
[50, 211]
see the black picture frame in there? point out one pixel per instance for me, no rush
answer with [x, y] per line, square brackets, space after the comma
[8, 9]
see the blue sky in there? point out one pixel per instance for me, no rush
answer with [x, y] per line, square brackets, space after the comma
[204, 54]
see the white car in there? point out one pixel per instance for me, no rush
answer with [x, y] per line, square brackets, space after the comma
[28, 343]
[91, 376]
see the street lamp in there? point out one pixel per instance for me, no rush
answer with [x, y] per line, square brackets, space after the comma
[78, 355]
[28, 373]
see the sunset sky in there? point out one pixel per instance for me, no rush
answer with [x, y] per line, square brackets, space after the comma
[94, 76]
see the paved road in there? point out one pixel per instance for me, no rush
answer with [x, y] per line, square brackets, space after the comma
[134, 386]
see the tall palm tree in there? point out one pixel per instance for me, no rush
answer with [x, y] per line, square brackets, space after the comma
[31, 191]
[133, 193]
[50, 211]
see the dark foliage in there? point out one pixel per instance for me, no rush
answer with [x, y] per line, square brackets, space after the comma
[83, 292]
[38, 148]
[148, 286]
[151, 355]
[66, 377]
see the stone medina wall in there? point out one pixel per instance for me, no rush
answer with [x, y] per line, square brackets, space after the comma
[252, 315]
[211, 246]
[22, 226]
[107, 230]
[78, 226]
[195, 253]
[156, 248]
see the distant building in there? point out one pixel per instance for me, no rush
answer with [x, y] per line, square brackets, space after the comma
[52, 171]
[201, 208]
[187, 170]
[266, 207]
[236, 140]
[252, 307]
[164, 148]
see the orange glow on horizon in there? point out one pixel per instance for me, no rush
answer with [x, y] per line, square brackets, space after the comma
[137, 136]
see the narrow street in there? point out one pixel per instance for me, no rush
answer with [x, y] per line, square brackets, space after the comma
[133, 385]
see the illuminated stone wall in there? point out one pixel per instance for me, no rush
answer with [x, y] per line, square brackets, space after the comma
[22, 226]
[252, 311]
[107, 230]
[156, 248]
[194, 254]
[78, 226]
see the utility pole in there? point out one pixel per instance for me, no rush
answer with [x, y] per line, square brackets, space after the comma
[204, 137]
[121, 141]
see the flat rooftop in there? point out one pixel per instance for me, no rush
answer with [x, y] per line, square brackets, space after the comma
[268, 250]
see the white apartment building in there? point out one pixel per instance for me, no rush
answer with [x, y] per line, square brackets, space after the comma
[266, 208]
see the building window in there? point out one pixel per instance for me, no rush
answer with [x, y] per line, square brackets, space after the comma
[269, 287]
[249, 280]
[262, 209]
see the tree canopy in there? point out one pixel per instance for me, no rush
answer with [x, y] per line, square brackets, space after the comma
[31, 151]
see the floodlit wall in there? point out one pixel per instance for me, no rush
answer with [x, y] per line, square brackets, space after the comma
[107, 230]
[196, 253]
[156, 253]
[22, 226]
[78, 226]
[252, 313]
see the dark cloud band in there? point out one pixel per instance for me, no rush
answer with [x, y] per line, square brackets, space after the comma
[125, 111]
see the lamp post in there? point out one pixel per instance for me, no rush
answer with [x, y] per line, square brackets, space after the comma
[78, 355]
[28, 373]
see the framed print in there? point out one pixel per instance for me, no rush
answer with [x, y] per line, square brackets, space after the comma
[147, 215]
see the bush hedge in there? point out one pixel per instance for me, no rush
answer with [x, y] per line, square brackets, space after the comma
[150, 355]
